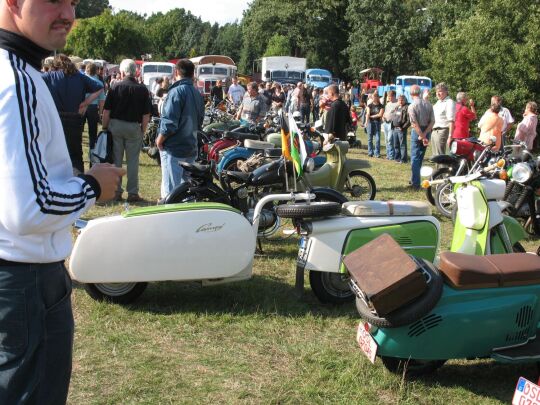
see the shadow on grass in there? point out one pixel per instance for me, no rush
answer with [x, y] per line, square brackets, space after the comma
[261, 295]
[484, 378]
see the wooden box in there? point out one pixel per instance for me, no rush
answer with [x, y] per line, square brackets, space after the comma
[386, 274]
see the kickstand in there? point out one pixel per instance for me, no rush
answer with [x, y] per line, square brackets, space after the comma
[299, 285]
[259, 247]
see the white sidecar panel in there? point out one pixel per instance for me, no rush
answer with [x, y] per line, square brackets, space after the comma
[179, 245]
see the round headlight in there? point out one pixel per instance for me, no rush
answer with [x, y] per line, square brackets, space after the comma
[521, 172]
[426, 171]
[453, 147]
[309, 165]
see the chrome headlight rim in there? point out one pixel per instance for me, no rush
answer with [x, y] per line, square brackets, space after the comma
[521, 172]
[309, 165]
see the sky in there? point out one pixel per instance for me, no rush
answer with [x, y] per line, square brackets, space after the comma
[220, 11]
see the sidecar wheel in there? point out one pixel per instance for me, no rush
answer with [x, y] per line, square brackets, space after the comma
[411, 312]
[330, 288]
[317, 209]
[411, 367]
[118, 293]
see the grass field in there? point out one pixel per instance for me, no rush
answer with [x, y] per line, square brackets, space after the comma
[254, 341]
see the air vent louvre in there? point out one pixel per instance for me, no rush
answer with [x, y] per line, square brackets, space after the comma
[518, 336]
[524, 316]
[404, 240]
[424, 324]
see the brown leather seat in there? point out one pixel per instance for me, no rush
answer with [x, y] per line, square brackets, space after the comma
[506, 270]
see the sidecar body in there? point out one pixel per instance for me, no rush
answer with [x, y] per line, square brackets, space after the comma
[190, 241]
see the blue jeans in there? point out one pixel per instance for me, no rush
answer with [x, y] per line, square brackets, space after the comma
[36, 333]
[172, 174]
[387, 126]
[399, 140]
[374, 131]
[418, 150]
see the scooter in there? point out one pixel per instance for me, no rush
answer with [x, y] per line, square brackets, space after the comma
[323, 243]
[473, 306]
[116, 256]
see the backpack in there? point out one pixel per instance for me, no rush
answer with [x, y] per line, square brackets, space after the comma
[103, 149]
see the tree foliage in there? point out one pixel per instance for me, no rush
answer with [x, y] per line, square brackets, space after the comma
[91, 8]
[493, 51]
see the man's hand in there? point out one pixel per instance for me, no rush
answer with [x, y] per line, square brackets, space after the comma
[108, 177]
[160, 142]
[82, 108]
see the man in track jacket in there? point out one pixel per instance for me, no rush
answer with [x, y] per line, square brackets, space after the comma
[39, 200]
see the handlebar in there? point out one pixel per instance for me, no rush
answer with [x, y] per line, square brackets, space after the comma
[466, 178]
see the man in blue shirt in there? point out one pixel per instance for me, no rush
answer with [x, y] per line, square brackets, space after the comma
[182, 117]
[95, 108]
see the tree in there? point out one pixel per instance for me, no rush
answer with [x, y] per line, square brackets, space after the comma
[109, 35]
[277, 45]
[91, 8]
[500, 58]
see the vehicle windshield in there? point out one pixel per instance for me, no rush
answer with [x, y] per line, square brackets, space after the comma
[285, 74]
[220, 71]
[157, 69]
[316, 78]
[205, 71]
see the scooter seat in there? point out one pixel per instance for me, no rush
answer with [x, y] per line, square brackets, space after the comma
[504, 270]
[385, 208]
[253, 144]
[240, 136]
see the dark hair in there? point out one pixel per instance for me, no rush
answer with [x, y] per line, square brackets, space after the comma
[62, 62]
[185, 67]
[91, 69]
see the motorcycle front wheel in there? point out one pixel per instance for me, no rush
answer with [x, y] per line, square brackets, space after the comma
[359, 185]
[445, 199]
[437, 175]
[118, 293]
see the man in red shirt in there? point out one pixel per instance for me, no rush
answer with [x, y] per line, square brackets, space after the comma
[464, 116]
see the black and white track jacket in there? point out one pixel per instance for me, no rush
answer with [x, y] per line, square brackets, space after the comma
[39, 197]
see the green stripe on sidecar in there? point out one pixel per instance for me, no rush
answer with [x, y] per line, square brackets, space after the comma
[161, 209]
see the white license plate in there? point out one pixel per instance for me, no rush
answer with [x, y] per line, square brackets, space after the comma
[366, 341]
[526, 393]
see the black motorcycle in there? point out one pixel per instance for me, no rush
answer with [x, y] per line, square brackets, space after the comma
[522, 194]
[243, 190]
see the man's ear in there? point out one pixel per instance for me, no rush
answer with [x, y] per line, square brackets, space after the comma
[14, 5]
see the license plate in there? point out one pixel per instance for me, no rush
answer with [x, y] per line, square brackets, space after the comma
[366, 341]
[302, 250]
[526, 393]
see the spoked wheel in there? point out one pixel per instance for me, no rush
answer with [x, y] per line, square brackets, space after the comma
[411, 367]
[359, 185]
[119, 293]
[445, 199]
[437, 175]
[331, 288]
[231, 166]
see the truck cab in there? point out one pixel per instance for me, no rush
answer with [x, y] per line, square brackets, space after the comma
[211, 68]
[318, 78]
[150, 71]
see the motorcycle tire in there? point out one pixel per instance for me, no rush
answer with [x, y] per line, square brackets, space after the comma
[359, 186]
[183, 194]
[317, 209]
[413, 311]
[437, 174]
[118, 293]
[410, 367]
[331, 288]
[443, 199]
[231, 166]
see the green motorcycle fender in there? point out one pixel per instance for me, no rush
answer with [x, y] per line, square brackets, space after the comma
[514, 229]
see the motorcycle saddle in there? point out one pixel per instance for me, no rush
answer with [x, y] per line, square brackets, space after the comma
[386, 208]
[238, 176]
[464, 271]
[195, 168]
[256, 144]
[240, 136]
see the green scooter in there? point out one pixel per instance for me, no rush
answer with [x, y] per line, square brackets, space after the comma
[477, 304]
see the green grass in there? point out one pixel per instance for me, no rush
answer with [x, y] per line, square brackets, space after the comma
[255, 341]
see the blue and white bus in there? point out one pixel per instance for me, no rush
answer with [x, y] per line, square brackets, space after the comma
[403, 85]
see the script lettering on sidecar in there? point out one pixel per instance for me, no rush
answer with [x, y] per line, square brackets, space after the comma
[209, 228]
